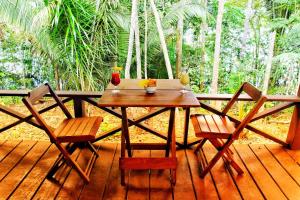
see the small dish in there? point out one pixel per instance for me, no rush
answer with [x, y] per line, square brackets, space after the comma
[150, 90]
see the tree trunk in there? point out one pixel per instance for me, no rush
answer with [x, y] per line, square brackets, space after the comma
[56, 77]
[202, 40]
[145, 40]
[162, 39]
[131, 39]
[137, 44]
[298, 86]
[269, 62]
[214, 85]
[179, 34]
[248, 15]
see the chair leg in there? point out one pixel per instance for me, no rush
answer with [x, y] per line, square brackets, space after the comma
[92, 148]
[211, 163]
[200, 145]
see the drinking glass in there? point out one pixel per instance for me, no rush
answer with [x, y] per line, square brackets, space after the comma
[115, 80]
[184, 79]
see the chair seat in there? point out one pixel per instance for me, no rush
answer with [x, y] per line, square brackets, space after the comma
[78, 129]
[212, 126]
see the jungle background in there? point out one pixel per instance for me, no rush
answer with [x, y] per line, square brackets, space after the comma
[73, 44]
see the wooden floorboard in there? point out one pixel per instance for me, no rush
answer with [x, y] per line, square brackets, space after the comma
[160, 185]
[271, 172]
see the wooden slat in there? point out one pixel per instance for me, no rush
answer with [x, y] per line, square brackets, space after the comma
[295, 154]
[100, 173]
[273, 110]
[7, 147]
[138, 184]
[64, 127]
[211, 124]
[74, 183]
[148, 163]
[38, 93]
[262, 178]
[27, 187]
[49, 188]
[14, 157]
[16, 175]
[286, 161]
[245, 182]
[160, 185]
[114, 189]
[288, 186]
[204, 188]
[220, 124]
[252, 91]
[83, 124]
[203, 124]
[224, 183]
[184, 184]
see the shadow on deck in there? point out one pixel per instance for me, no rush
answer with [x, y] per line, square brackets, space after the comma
[271, 172]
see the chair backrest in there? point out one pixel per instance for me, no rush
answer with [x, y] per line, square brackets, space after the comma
[256, 95]
[37, 94]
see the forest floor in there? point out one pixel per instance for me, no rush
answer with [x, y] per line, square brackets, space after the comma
[277, 125]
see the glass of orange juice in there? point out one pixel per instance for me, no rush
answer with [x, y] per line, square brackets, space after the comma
[184, 79]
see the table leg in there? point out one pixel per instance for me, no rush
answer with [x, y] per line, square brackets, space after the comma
[125, 131]
[186, 127]
[170, 130]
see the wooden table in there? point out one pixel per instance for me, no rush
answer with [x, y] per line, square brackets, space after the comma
[131, 95]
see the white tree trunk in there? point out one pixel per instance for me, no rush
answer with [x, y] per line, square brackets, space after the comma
[214, 85]
[145, 40]
[248, 15]
[179, 34]
[162, 39]
[202, 40]
[131, 39]
[137, 44]
[269, 62]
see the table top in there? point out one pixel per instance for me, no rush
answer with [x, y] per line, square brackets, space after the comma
[133, 84]
[139, 98]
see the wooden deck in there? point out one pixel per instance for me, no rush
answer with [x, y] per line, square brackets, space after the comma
[271, 172]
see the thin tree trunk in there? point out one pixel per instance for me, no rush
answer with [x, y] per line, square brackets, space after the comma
[56, 77]
[298, 86]
[248, 15]
[131, 40]
[269, 62]
[137, 44]
[179, 34]
[162, 39]
[214, 85]
[202, 39]
[145, 40]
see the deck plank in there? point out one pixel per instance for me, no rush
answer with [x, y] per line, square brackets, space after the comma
[224, 183]
[184, 185]
[114, 190]
[138, 184]
[160, 185]
[269, 171]
[245, 182]
[100, 172]
[7, 147]
[50, 187]
[262, 178]
[288, 186]
[204, 188]
[286, 161]
[13, 179]
[74, 183]
[15, 157]
[36, 176]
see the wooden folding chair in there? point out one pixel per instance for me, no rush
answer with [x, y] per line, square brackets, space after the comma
[221, 132]
[76, 132]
